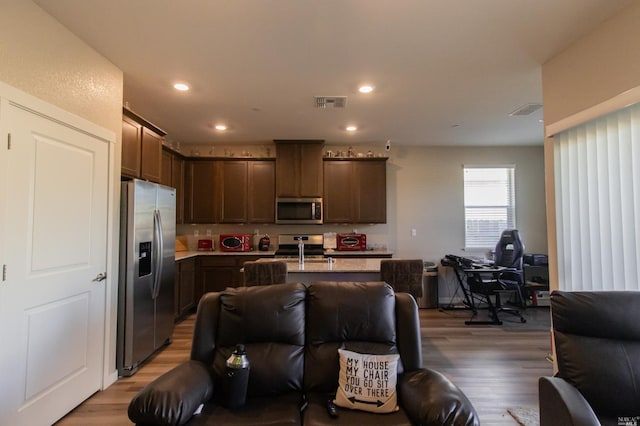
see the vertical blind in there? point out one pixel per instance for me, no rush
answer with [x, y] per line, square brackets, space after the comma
[489, 204]
[597, 182]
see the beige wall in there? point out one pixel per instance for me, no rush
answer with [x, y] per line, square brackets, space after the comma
[597, 67]
[42, 58]
[426, 194]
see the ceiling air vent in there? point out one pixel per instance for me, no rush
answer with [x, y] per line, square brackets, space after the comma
[330, 101]
[525, 109]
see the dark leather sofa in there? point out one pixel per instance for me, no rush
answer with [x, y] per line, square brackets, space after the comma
[292, 333]
[597, 341]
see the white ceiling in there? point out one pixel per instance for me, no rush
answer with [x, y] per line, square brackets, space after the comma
[446, 72]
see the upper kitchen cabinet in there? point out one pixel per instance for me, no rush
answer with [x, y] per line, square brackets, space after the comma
[141, 148]
[355, 190]
[177, 181]
[247, 191]
[200, 203]
[233, 191]
[299, 168]
[173, 176]
[131, 147]
[338, 189]
[262, 192]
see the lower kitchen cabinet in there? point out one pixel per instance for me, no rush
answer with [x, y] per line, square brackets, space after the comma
[215, 273]
[185, 280]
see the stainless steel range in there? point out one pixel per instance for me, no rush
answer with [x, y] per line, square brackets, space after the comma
[288, 245]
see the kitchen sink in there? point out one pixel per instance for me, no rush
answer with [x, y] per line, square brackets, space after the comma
[307, 260]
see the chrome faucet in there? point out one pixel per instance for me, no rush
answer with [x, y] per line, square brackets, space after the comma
[300, 251]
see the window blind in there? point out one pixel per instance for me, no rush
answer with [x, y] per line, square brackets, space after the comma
[597, 182]
[489, 204]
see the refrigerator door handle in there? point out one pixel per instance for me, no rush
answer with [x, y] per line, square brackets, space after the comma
[159, 253]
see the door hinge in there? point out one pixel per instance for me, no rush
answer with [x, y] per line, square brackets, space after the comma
[4, 272]
[9, 141]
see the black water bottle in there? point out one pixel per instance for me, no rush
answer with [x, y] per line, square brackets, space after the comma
[237, 378]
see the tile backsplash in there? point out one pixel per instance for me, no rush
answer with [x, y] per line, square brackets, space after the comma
[191, 233]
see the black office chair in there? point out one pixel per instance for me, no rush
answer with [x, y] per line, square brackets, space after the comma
[507, 278]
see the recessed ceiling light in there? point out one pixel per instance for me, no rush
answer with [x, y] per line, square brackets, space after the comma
[181, 87]
[365, 89]
[351, 128]
[221, 127]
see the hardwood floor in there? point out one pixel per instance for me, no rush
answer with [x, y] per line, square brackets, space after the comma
[496, 366]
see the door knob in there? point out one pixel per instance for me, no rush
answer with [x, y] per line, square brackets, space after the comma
[100, 277]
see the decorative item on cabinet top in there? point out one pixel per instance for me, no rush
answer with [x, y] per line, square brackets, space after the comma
[236, 152]
[351, 153]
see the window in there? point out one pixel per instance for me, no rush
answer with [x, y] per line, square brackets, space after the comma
[489, 204]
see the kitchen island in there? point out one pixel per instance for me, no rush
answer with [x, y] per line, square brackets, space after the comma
[339, 269]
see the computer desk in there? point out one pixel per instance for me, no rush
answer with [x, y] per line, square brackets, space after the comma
[470, 267]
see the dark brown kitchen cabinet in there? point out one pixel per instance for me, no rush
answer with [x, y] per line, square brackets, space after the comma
[215, 273]
[299, 168]
[177, 181]
[355, 190]
[185, 291]
[230, 191]
[173, 176]
[141, 148]
[371, 190]
[151, 165]
[247, 191]
[167, 159]
[131, 147]
[261, 200]
[200, 203]
[338, 192]
[233, 192]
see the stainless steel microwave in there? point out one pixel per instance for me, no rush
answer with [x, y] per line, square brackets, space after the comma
[299, 211]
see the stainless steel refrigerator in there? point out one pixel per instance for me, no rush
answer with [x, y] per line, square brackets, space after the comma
[147, 257]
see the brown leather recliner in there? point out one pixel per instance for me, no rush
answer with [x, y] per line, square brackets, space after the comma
[597, 341]
[292, 333]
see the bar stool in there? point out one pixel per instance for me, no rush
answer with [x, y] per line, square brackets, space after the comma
[265, 273]
[404, 275]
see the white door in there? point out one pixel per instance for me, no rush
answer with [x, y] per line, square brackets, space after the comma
[52, 309]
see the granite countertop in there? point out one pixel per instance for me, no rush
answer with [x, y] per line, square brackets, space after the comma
[340, 255]
[181, 255]
[356, 253]
[338, 265]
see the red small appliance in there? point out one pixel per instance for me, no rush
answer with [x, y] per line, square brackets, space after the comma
[235, 242]
[351, 242]
[205, 245]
